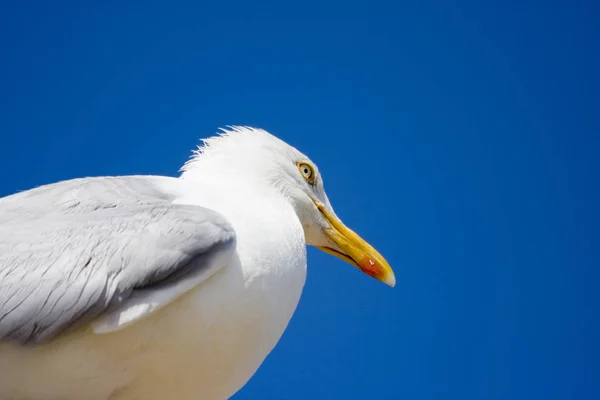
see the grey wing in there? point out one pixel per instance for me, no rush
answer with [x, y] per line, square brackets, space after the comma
[85, 195]
[65, 269]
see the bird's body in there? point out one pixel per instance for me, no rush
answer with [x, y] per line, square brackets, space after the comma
[232, 323]
[148, 287]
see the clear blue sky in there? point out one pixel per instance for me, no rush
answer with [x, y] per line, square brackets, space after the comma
[461, 140]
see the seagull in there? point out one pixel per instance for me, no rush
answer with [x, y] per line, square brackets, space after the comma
[152, 287]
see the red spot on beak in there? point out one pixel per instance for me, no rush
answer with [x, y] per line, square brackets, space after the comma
[370, 267]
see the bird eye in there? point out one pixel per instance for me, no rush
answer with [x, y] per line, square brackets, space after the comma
[307, 171]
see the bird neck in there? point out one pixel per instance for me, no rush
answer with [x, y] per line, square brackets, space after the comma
[233, 193]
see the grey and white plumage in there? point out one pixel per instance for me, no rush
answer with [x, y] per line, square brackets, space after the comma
[100, 244]
[145, 287]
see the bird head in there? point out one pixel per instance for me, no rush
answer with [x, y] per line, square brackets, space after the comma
[254, 156]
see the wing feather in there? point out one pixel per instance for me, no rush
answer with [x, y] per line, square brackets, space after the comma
[117, 247]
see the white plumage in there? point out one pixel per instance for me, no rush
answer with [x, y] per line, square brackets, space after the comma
[163, 288]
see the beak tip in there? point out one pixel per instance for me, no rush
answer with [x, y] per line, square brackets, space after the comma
[379, 269]
[390, 280]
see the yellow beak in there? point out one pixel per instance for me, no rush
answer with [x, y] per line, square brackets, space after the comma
[354, 250]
